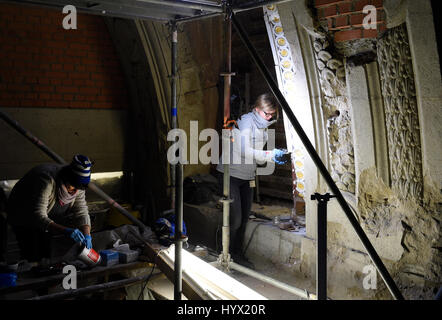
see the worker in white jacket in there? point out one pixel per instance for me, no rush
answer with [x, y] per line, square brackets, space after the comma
[50, 199]
[246, 150]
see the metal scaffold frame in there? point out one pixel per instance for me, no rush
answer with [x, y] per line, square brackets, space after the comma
[209, 10]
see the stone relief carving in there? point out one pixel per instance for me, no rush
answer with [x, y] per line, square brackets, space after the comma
[336, 108]
[401, 113]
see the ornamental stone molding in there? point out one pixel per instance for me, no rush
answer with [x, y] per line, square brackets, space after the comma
[336, 109]
[401, 113]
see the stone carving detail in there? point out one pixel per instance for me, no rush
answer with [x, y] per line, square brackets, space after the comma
[336, 108]
[401, 114]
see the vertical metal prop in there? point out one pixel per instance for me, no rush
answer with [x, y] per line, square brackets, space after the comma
[318, 162]
[176, 177]
[225, 257]
[178, 287]
[173, 104]
[321, 245]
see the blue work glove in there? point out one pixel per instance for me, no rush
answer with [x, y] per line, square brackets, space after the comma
[278, 155]
[75, 234]
[88, 241]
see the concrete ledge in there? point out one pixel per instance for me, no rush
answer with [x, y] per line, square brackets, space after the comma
[265, 241]
[268, 242]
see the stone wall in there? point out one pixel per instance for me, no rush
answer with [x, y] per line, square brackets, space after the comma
[396, 182]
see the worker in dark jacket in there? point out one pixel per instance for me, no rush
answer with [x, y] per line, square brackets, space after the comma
[50, 199]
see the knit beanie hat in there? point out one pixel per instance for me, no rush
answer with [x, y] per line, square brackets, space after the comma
[80, 168]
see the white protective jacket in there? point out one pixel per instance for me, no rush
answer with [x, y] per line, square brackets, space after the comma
[246, 150]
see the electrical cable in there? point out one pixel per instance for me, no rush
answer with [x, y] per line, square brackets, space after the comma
[251, 236]
[147, 280]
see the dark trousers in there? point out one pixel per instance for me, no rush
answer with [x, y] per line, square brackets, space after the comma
[34, 245]
[242, 195]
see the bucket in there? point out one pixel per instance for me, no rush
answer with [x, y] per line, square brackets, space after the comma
[89, 256]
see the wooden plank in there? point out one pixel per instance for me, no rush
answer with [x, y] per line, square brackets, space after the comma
[48, 281]
[168, 270]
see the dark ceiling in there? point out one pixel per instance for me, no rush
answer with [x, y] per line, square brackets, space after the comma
[162, 10]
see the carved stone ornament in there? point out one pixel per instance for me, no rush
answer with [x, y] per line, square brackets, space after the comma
[401, 113]
[336, 108]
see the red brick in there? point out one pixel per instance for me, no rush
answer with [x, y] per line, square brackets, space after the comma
[75, 53]
[79, 104]
[79, 46]
[44, 96]
[68, 67]
[33, 19]
[330, 11]
[43, 81]
[103, 105]
[56, 81]
[103, 97]
[57, 51]
[89, 90]
[345, 7]
[378, 3]
[356, 20]
[32, 103]
[56, 74]
[18, 78]
[58, 37]
[68, 82]
[347, 35]
[7, 96]
[31, 80]
[43, 88]
[46, 51]
[57, 67]
[341, 22]
[80, 68]
[56, 103]
[68, 97]
[360, 4]
[81, 97]
[56, 96]
[18, 87]
[98, 76]
[31, 96]
[369, 33]
[10, 103]
[322, 3]
[67, 89]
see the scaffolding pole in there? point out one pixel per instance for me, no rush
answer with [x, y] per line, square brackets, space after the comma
[173, 103]
[176, 175]
[224, 258]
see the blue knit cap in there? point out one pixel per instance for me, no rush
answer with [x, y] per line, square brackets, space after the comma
[81, 170]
